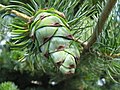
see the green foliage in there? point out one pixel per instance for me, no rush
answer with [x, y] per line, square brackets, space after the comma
[4, 2]
[103, 61]
[108, 45]
[8, 86]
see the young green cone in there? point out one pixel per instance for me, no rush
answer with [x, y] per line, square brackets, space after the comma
[48, 33]
[55, 40]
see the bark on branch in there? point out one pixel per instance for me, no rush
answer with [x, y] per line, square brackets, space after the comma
[100, 24]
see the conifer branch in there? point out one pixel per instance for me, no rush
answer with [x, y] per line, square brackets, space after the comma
[19, 14]
[100, 24]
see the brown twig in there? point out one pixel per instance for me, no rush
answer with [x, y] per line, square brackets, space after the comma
[24, 16]
[19, 14]
[100, 24]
